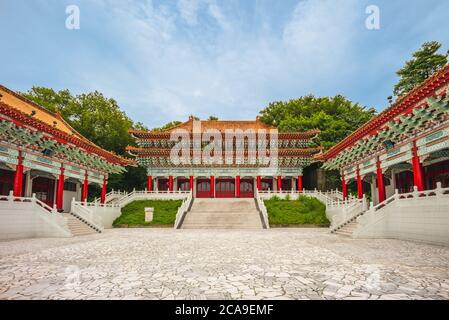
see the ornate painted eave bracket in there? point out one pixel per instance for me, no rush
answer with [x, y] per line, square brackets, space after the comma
[434, 112]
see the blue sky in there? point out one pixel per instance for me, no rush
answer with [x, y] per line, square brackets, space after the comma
[164, 60]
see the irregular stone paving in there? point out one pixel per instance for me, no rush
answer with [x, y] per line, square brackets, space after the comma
[222, 264]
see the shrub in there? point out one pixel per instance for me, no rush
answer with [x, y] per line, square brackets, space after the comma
[304, 210]
[134, 212]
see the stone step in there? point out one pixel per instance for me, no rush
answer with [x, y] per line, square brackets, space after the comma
[220, 226]
[78, 227]
[223, 214]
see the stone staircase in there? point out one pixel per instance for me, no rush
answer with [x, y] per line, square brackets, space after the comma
[223, 214]
[78, 227]
[348, 228]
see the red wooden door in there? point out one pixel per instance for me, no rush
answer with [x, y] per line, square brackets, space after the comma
[183, 184]
[287, 184]
[203, 188]
[246, 188]
[266, 184]
[44, 188]
[6, 181]
[225, 188]
[162, 184]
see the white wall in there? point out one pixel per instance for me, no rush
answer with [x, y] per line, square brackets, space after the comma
[418, 218]
[19, 220]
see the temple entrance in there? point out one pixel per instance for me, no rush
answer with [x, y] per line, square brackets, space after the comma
[266, 184]
[286, 184]
[437, 172]
[6, 181]
[162, 184]
[404, 181]
[225, 188]
[203, 188]
[44, 188]
[246, 188]
[183, 184]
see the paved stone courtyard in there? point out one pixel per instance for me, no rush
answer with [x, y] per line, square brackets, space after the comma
[222, 264]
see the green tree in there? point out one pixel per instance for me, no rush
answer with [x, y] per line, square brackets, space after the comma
[425, 62]
[336, 117]
[100, 120]
[212, 118]
[168, 126]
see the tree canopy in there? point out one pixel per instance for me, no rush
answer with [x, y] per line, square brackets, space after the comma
[425, 62]
[336, 117]
[100, 120]
[94, 116]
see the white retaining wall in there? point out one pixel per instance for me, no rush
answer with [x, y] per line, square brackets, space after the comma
[417, 216]
[25, 218]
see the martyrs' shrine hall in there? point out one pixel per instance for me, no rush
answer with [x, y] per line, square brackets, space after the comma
[233, 176]
[406, 146]
[41, 154]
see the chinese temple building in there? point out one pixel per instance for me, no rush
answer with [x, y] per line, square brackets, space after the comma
[41, 154]
[238, 177]
[404, 147]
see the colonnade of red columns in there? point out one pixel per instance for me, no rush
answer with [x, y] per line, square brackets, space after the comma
[18, 185]
[237, 184]
[418, 177]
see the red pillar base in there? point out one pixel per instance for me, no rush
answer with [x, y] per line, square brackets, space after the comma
[359, 186]
[299, 183]
[150, 183]
[212, 187]
[103, 192]
[60, 191]
[170, 183]
[344, 188]
[237, 186]
[380, 183]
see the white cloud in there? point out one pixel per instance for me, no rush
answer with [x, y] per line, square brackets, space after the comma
[188, 10]
[321, 31]
[220, 18]
[163, 76]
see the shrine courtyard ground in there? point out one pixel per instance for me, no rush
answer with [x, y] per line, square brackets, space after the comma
[222, 264]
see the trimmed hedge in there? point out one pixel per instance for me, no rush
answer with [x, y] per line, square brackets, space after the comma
[305, 210]
[134, 212]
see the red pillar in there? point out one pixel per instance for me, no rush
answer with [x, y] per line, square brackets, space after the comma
[237, 186]
[85, 189]
[103, 191]
[259, 183]
[212, 186]
[344, 187]
[18, 177]
[279, 183]
[299, 183]
[60, 191]
[191, 182]
[359, 185]
[150, 183]
[418, 179]
[380, 183]
[170, 183]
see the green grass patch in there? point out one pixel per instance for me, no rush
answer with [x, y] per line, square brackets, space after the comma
[305, 210]
[134, 212]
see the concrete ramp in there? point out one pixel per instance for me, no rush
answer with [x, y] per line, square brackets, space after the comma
[223, 214]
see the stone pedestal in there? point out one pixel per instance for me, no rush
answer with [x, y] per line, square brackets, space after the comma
[149, 214]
